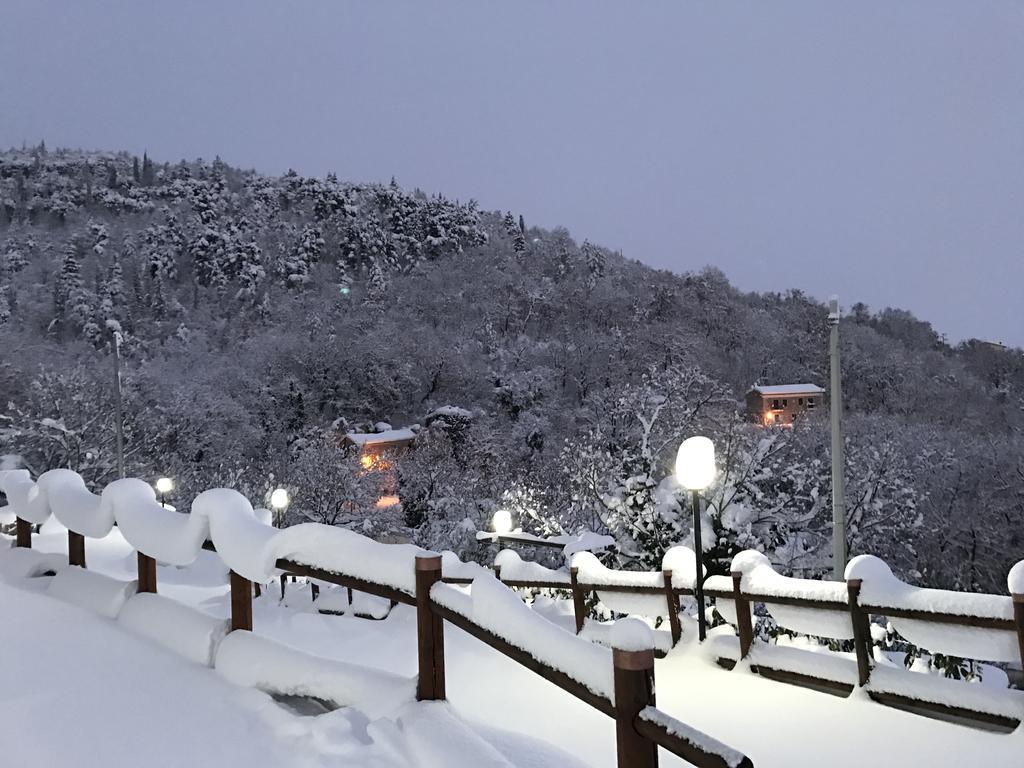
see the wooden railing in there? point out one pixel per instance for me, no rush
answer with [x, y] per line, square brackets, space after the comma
[860, 621]
[640, 727]
[580, 589]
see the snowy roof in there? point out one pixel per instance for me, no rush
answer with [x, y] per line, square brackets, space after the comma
[363, 439]
[451, 411]
[788, 389]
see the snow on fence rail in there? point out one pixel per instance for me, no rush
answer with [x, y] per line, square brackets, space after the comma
[618, 682]
[653, 594]
[982, 627]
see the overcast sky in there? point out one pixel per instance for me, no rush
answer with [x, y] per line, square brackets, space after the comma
[869, 149]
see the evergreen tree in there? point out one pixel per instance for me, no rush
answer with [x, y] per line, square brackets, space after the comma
[594, 256]
[148, 176]
[69, 281]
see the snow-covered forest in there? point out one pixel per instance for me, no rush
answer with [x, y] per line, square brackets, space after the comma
[263, 317]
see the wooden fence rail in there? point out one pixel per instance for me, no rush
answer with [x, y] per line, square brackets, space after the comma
[637, 738]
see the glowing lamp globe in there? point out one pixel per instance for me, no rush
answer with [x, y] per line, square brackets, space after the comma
[279, 498]
[695, 463]
[502, 521]
[165, 485]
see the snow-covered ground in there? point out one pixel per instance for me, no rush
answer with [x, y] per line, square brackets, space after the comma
[81, 690]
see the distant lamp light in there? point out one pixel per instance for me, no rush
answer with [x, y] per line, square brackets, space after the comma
[695, 471]
[164, 485]
[279, 499]
[695, 463]
[502, 521]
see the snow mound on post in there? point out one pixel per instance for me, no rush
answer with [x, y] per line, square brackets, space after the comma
[250, 660]
[882, 589]
[683, 564]
[178, 628]
[631, 634]
[23, 497]
[1015, 579]
[90, 590]
[20, 563]
[244, 543]
[593, 571]
[514, 568]
[499, 610]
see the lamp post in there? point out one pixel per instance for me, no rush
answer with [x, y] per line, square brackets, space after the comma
[838, 481]
[279, 501]
[164, 486]
[695, 470]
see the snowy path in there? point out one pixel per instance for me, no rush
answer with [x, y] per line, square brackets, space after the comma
[778, 726]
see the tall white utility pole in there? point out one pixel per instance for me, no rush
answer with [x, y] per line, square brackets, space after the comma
[118, 411]
[838, 457]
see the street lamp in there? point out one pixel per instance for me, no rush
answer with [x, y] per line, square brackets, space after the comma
[502, 521]
[695, 470]
[164, 486]
[279, 501]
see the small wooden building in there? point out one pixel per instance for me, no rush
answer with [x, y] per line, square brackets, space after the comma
[781, 404]
[376, 450]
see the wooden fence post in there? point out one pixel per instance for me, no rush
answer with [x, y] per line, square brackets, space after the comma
[744, 621]
[76, 549]
[1018, 619]
[429, 632]
[241, 602]
[579, 608]
[634, 690]
[861, 632]
[23, 533]
[673, 607]
[147, 573]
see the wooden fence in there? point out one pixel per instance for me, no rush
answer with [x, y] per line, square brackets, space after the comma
[860, 621]
[639, 726]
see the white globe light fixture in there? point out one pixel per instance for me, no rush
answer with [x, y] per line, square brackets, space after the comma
[695, 463]
[164, 485]
[502, 521]
[695, 471]
[279, 499]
